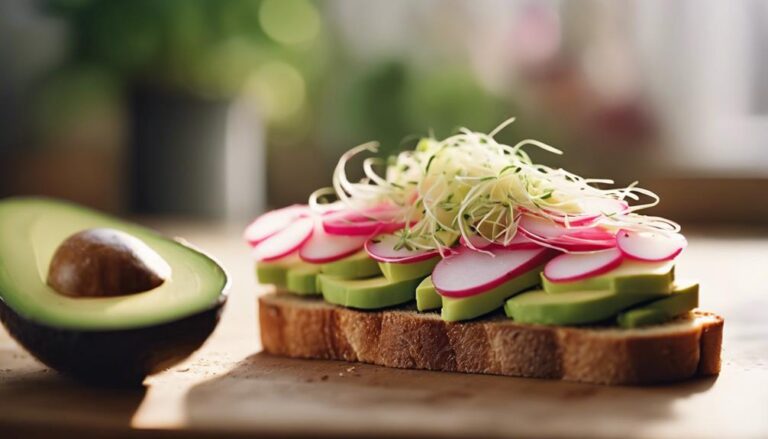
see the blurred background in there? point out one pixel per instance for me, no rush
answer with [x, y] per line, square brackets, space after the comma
[223, 108]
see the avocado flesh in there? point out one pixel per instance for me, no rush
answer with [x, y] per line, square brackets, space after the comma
[465, 308]
[571, 308]
[357, 266]
[302, 279]
[31, 229]
[370, 293]
[275, 272]
[396, 272]
[684, 298]
[631, 277]
[427, 297]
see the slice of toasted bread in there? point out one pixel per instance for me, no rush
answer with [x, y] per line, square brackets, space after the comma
[305, 327]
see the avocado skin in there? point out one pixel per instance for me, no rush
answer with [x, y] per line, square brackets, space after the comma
[121, 358]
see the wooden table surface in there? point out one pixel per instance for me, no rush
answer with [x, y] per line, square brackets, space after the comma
[228, 388]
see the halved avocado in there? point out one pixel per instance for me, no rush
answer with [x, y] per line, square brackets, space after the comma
[118, 339]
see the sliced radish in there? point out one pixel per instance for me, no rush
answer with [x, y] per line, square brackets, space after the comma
[592, 209]
[361, 223]
[322, 247]
[571, 245]
[522, 242]
[568, 239]
[272, 222]
[536, 227]
[286, 241]
[573, 266]
[468, 272]
[477, 241]
[649, 246]
[519, 242]
[382, 249]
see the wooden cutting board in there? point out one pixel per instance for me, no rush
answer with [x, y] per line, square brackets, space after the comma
[229, 389]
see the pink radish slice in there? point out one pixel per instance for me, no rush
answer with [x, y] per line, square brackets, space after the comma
[365, 223]
[286, 241]
[571, 266]
[322, 247]
[571, 239]
[382, 249]
[572, 246]
[477, 241]
[468, 272]
[272, 222]
[593, 209]
[522, 242]
[649, 246]
[568, 245]
[543, 228]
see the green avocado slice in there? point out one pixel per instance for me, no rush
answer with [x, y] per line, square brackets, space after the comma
[465, 308]
[396, 272]
[684, 298]
[357, 266]
[629, 278]
[371, 293]
[31, 229]
[274, 273]
[571, 308]
[302, 279]
[427, 297]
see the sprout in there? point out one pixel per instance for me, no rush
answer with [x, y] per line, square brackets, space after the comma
[469, 184]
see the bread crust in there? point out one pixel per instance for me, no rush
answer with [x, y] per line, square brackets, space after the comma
[304, 327]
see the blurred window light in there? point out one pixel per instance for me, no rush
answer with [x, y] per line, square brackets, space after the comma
[289, 21]
[704, 65]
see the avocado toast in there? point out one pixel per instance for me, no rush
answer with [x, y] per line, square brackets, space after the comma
[463, 255]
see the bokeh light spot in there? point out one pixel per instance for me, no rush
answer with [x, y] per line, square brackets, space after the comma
[279, 88]
[289, 21]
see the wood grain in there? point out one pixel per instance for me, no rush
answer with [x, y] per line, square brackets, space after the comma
[229, 389]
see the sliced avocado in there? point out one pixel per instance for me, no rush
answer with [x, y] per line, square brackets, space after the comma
[274, 273]
[396, 272]
[465, 308]
[426, 296]
[628, 278]
[371, 293]
[684, 297]
[118, 338]
[357, 266]
[571, 308]
[302, 279]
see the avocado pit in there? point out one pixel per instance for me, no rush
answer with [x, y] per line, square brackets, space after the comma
[105, 262]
